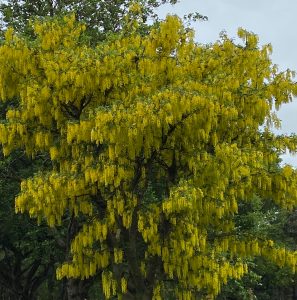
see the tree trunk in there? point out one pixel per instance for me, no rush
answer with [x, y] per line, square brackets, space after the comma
[140, 295]
[76, 289]
[72, 290]
[295, 291]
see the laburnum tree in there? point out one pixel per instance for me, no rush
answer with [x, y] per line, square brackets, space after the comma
[154, 140]
[101, 18]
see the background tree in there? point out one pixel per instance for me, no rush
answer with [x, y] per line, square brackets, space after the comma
[265, 280]
[27, 251]
[100, 17]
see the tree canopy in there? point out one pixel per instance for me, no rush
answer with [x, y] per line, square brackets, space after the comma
[153, 140]
[100, 17]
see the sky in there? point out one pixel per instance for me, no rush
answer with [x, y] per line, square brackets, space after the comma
[274, 21]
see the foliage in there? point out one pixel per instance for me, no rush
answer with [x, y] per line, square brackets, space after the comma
[264, 280]
[26, 250]
[153, 141]
[100, 17]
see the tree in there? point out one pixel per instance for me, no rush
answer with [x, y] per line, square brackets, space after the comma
[153, 140]
[26, 251]
[265, 280]
[100, 17]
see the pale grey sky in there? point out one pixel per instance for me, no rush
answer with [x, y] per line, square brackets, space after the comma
[274, 21]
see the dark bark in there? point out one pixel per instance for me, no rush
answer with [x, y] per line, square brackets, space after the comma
[139, 288]
[295, 291]
[145, 295]
[77, 289]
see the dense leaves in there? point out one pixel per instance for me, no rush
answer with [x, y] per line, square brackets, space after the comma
[26, 250]
[264, 280]
[100, 17]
